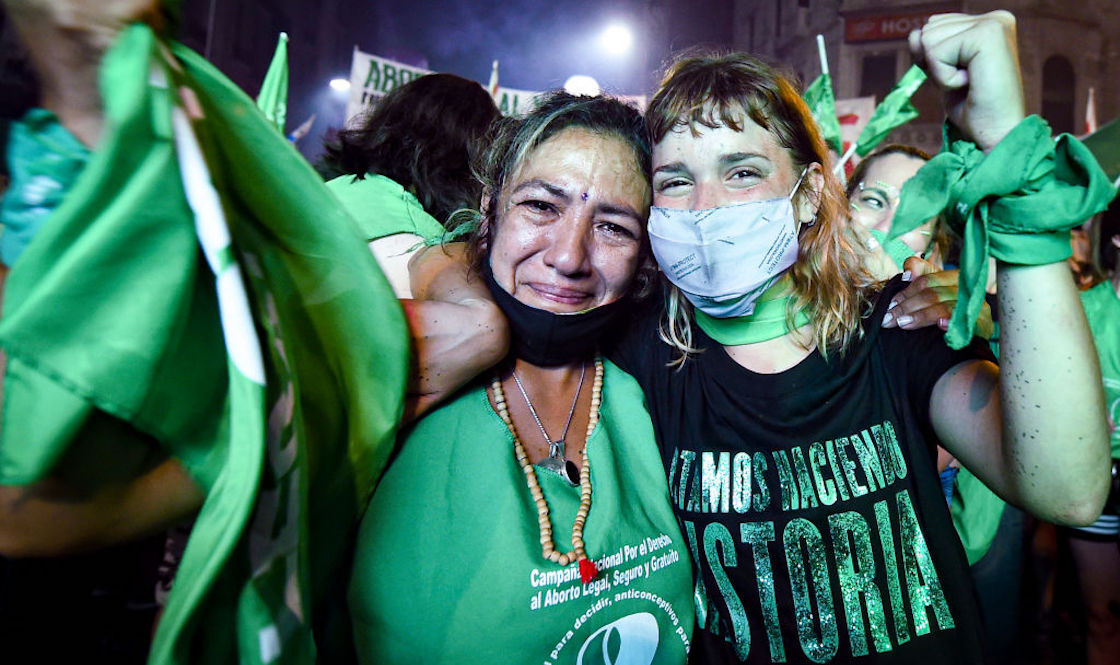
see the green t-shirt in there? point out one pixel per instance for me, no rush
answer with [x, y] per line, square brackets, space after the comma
[1102, 308]
[381, 207]
[976, 514]
[449, 569]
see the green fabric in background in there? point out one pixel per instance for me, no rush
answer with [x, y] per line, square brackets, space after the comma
[111, 308]
[273, 97]
[822, 104]
[381, 207]
[895, 248]
[894, 111]
[1102, 309]
[976, 512]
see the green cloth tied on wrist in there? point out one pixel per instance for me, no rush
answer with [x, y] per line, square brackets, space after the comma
[1016, 204]
[768, 321]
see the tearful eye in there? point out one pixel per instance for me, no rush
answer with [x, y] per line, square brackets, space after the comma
[538, 206]
[617, 230]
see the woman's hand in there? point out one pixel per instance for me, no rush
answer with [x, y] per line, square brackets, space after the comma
[930, 300]
[975, 61]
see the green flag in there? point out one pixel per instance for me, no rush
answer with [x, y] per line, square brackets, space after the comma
[273, 97]
[895, 111]
[1105, 146]
[272, 362]
[822, 104]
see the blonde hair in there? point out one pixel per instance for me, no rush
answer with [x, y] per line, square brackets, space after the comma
[829, 278]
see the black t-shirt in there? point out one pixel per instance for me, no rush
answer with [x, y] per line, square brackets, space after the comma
[810, 499]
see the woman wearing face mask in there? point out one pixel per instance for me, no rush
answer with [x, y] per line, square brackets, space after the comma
[796, 432]
[527, 520]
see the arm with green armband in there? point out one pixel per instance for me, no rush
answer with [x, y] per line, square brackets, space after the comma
[1034, 429]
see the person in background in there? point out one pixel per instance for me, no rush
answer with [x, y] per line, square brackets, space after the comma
[404, 167]
[873, 194]
[1096, 547]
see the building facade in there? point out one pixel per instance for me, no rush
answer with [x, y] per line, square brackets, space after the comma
[1065, 49]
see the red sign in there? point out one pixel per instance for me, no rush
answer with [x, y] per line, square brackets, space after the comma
[883, 27]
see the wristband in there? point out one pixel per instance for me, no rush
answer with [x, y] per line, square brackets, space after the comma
[1016, 204]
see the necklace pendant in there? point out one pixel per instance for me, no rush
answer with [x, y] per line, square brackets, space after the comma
[562, 468]
[556, 450]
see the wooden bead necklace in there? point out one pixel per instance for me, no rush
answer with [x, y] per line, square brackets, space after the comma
[587, 569]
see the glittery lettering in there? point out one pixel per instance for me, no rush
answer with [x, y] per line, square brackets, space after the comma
[718, 533]
[699, 594]
[849, 467]
[759, 535]
[826, 489]
[855, 568]
[785, 477]
[695, 502]
[741, 482]
[818, 646]
[673, 492]
[921, 575]
[886, 454]
[761, 498]
[868, 460]
[808, 497]
[687, 456]
[890, 567]
[716, 481]
[836, 472]
[896, 450]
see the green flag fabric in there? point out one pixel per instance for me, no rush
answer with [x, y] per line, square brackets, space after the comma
[1016, 204]
[822, 104]
[273, 97]
[276, 375]
[1105, 146]
[894, 111]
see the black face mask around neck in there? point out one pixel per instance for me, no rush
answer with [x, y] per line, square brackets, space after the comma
[547, 339]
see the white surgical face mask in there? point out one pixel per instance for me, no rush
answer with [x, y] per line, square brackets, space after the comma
[724, 258]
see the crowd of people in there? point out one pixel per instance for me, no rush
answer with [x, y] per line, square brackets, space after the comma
[587, 384]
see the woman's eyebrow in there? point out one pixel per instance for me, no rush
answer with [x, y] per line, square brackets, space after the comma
[736, 157]
[619, 209]
[671, 167]
[552, 189]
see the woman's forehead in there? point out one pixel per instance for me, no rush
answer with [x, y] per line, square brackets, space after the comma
[584, 161]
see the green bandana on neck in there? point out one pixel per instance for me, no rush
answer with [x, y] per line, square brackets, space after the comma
[895, 248]
[767, 322]
[1016, 204]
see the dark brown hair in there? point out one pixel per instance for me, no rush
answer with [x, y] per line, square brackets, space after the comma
[422, 135]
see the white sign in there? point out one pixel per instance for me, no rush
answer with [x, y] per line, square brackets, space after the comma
[372, 77]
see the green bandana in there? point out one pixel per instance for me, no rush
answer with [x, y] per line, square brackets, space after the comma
[895, 248]
[767, 322]
[1015, 204]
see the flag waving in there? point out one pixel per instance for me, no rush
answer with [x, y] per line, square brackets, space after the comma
[273, 97]
[822, 104]
[895, 111]
[200, 286]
